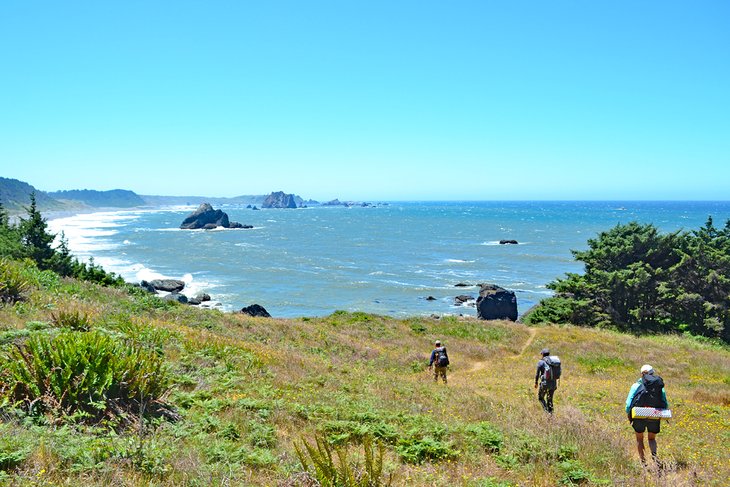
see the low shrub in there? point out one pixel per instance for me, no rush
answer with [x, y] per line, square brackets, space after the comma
[87, 375]
[573, 472]
[12, 452]
[417, 450]
[487, 435]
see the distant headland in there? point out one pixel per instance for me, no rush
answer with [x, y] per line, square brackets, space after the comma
[14, 197]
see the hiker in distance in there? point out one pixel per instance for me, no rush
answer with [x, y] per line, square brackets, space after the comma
[547, 374]
[439, 361]
[648, 391]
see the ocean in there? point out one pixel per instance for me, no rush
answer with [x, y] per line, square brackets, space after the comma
[386, 259]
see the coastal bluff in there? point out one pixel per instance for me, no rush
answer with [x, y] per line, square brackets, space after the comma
[206, 218]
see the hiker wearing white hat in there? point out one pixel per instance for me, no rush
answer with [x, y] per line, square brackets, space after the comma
[648, 391]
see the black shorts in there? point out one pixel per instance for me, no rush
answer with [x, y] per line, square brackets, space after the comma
[641, 425]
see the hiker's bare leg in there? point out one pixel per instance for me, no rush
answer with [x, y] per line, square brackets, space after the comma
[652, 444]
[640, 446]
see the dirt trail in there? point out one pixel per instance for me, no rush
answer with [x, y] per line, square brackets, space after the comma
[477, 366]
[533, 332]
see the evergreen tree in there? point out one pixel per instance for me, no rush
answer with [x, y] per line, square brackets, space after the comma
[638, 279]
[35, 237]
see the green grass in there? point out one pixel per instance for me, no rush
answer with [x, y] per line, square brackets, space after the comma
[248, 392]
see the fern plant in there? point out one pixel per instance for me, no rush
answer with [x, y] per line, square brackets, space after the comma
[83, 375]
[331, 466]
[13, 281]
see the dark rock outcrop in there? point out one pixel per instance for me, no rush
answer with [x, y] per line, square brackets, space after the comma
[496, 303]
[256, 310]
[202, 296]
[207, 218]
[279, 199]
[148, 287]
[167, 285]
[430, 298]
[512, 242]
[180, 298]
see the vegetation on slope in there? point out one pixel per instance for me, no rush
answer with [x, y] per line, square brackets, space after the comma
[245, 394]
[637, 279]
[30, 239]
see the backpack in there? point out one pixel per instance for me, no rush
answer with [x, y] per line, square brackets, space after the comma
[552, 368]
[649, 393]
[441, 359]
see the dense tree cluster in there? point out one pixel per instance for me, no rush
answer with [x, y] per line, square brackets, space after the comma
[30, 239]
[637, 279]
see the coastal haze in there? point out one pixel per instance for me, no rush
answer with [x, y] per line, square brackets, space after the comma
[385, 258]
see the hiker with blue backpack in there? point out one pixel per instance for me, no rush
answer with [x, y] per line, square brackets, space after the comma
[547, 374]
[646, 405]
[439, 361]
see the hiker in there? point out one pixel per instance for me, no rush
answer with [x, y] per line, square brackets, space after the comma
[648, 391]
[439, 361]
[547, 375]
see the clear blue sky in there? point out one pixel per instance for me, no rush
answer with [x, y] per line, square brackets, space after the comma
[369, 100]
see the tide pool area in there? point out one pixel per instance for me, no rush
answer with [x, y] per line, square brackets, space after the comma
[387, 259]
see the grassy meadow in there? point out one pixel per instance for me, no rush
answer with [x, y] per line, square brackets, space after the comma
[248, 392]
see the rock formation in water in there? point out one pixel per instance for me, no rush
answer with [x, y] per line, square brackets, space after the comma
[496, 303]
[207, 218]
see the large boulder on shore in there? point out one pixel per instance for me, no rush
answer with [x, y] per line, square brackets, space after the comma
[207, 218]
[496, 303]
[167, 285]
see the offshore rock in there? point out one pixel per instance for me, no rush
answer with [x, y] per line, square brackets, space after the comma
[279, 199]
[496, 303]
[511, 242]
[256, 310]
[207, 218]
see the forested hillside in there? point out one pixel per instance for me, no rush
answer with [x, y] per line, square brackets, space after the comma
[116, 198]
[15, 195]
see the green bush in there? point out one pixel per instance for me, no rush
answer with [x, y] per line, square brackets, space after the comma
[89, 375]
